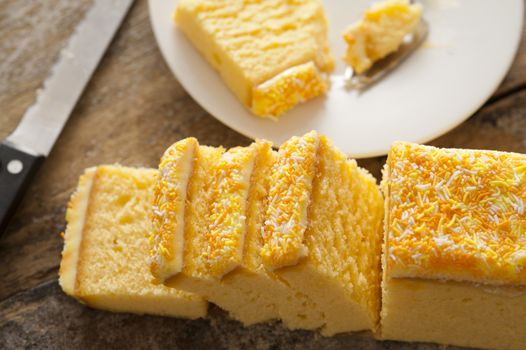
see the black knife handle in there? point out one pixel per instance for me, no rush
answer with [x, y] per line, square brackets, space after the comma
[17, 168]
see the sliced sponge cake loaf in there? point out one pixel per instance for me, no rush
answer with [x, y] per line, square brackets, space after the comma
[104, 261]
[323, 230]
[292, 236]
[221, 259]
[272, 54]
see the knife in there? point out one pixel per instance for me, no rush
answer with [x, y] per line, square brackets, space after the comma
[23, 151]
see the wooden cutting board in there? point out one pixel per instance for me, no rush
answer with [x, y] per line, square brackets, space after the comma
[43, 317]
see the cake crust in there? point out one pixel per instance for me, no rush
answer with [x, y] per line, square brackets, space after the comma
[454, 313]
[228, 208]
[76, 217]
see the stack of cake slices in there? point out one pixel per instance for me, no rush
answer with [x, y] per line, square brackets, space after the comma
[292, 235]
[296, 235]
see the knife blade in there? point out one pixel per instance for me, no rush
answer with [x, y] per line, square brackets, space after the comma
[22, 152]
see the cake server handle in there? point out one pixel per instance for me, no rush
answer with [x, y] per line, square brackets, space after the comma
[17, 168]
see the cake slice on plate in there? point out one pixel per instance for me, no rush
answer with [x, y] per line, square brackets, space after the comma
[322, 233]
[455, 247]
[104, 261]
[380, 32]
[272, 54]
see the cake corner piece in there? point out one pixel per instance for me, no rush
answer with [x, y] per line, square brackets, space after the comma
[287, 89]
[453, 259]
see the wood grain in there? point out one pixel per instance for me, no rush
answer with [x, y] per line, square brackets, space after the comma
[131, 111]
[70, 325]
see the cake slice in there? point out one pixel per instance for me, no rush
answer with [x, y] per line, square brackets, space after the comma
[380, 32]
[222, 261]
[216, 212]
[272, 54]
[169, 202]
[455, 247]
[215, 217]
[294, 309]
[104, 261]
[322, 232]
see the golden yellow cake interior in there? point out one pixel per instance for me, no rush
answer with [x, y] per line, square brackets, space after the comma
[323, 230]
[455, 251]
[272, 54]
[380, 32]
[106, 246]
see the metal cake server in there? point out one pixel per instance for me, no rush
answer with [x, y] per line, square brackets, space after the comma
[22, 152]
[390, 62]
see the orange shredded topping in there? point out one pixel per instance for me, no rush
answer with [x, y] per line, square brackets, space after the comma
[166, 239]
[229, 191]
[289, 195]
[456, 214]
[279, 94]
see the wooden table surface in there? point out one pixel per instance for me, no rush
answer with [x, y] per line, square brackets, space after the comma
[132, 109]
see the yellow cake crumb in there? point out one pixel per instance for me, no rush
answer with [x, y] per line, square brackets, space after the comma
[456, 214]
[380, 32]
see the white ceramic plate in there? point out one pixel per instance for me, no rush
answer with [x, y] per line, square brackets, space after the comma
[469, 49]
